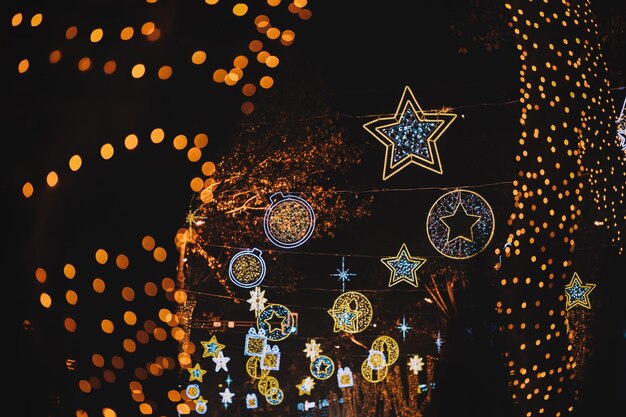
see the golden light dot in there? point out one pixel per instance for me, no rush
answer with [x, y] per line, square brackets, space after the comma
[109, 376]
[71, 297]
[194, 154]
[288, 36]
[107, 151]
[41, 275]
[102, 256]
[128, 294]
[255, 46]
[272, 61]
[145, 408]
[305, 14]
[16, 20]
[108, 412]
[135, 387]
[147, 28]
[183, 408]
[98, 285]
[54, 57]
[273, 3]
[201, 140]
[160, 334]
[75, 163]
[127, 33]
[69, 324]
[52, 179]
[45, 300]
[240, 62]
[121, 261]
[206, 196]
[130, 318]
[219, 75]
[117, 362]
[231, 78]
[129, 345]
[148, 243]
[273, 33]
[167, 284]
[180, 142]
[96, 35]
[300, 3]
[262, 56]
[27, 189]
[248, 89]
[36, 19]
[97, 360]
[178, 333]
[240, 9]
[159, 254]
[174, 396]
[69, 271]
[85, 387]
[196, 184]
[266, 82]
[165, 72]
[107, 326]
[155, 35]
[142, 337]
[84, 64]
[138, 71]
[247, 107]
[109, 67]
[151, 289]
[131, 141]
[157, 135]
[198, 57]
[180, 296]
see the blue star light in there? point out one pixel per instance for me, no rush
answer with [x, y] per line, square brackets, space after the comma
[409, 136]
[343, 274]
[404, 328]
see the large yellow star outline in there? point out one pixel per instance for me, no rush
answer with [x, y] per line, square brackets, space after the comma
[270, 321]
[577, 293]
[403, 267]
[458, 220]
[414, 137]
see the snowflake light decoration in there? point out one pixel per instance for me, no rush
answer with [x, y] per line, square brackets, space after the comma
[416, 364]
[312, 349]
[404, 327]
[460, 224]
[343, 274]
[257, 300]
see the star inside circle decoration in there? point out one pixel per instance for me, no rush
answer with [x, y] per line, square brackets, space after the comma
[410, 135]
[460, 224]
[403, 267]
[577, 293]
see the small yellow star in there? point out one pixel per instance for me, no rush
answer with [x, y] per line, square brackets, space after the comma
[196, 373]
[212, 347]
[403, 267]
[305, 386]
[345, 318]
[577, 293]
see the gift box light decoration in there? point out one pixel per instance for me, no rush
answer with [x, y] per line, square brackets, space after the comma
[270, 360]
[252, 401]
[255, 342]
[344, 377]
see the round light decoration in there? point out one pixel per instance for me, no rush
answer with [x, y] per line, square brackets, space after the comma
[460, 224]
[192, 391]
[201, 407]
[389, 347]
[322, 367]
[373, 375]
[253, 367]
[289, 220]
[266, 383]
[247, 268]
[276, 321]
[376, 360]
[274, 396]
[352, 312]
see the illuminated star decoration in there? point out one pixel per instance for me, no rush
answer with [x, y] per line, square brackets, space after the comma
[460, 224]
[410, 136]
[305, 386]
[257, 300]
[312, 350]
[196, 373]
[212, 347]
[227, 397]
[438, 341]
[577, 293]
[343, 274]
[403, 267]
[228, 380]
[344, 319]
[416, 364]
[621, 128]
[221, 361]
[404, 328]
